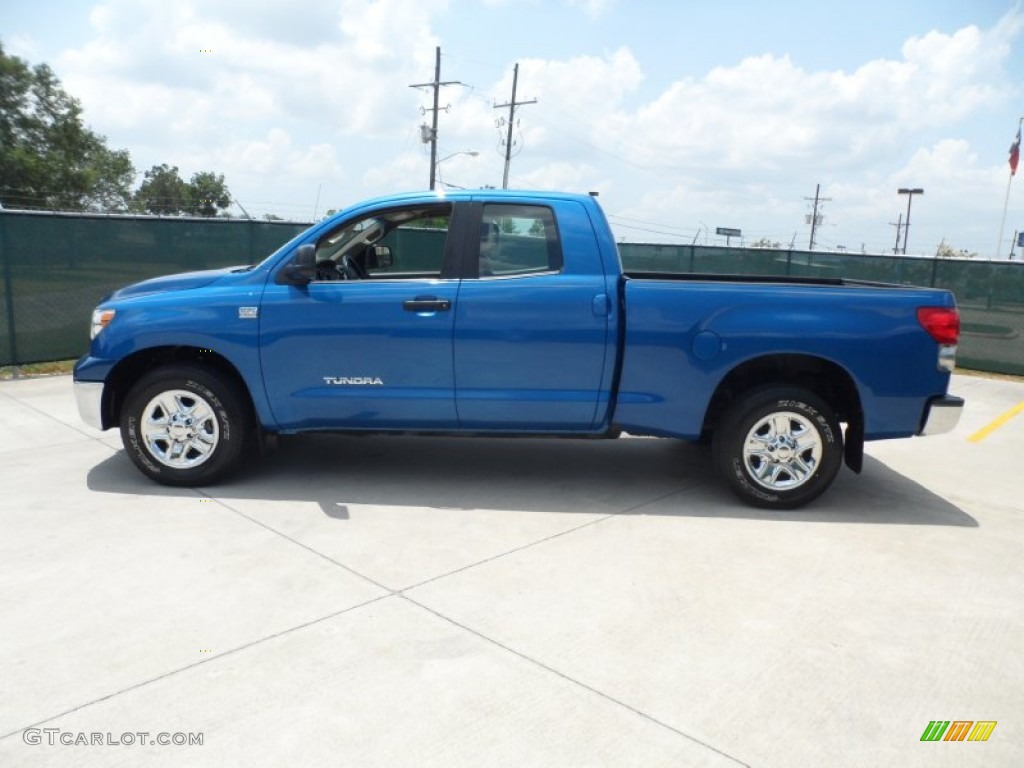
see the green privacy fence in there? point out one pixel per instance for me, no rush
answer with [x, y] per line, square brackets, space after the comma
[990, 294]
[54, 268]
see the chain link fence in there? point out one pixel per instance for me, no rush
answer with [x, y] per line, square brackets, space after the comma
[56, 267]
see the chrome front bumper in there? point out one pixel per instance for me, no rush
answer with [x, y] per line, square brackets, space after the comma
[941, 415]
[89, 397]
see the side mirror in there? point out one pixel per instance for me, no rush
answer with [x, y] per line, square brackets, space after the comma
[302, 268]
[379, 257]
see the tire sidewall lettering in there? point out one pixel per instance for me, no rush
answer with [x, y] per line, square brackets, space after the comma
[139, 448]
[728, 444]
[228, 403]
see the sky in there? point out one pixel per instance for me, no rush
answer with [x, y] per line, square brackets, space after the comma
[684, 116]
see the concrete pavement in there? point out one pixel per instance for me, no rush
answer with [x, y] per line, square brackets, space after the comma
[378, 601]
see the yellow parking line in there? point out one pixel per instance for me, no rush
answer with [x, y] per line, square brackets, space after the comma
[991, 427]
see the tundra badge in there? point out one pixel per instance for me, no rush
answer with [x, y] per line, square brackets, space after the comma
[358, 381]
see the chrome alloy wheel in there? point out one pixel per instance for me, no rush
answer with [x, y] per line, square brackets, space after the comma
[782, 451]
[179, 429]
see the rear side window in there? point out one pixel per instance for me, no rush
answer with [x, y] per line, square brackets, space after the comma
[518, 240]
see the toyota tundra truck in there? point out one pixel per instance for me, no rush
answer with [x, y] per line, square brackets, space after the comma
[496, 312]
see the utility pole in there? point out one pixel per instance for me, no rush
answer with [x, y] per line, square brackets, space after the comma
[436, 84]
[899, 226]
[814, 216]
[511, 122]
[909, 192]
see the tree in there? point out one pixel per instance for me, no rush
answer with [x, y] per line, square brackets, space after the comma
[206, 193]
[165, 193]
[946, 251]
[48, 158]
[162, 192]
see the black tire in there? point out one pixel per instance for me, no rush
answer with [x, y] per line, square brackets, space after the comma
[795, 448]
[196, 434]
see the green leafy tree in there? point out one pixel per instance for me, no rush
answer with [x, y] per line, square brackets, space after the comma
[207, 193]
[48, 157]
[162, 192]
[165, 193]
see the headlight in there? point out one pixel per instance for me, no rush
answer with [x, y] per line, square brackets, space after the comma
[100, 319]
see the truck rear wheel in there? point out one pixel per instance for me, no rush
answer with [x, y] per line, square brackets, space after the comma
[778, 447]
[185, 425]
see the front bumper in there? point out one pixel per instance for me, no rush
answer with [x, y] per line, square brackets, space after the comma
[941, 415]
[89, 397]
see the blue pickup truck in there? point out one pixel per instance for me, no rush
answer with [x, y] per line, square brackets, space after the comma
[495, 313]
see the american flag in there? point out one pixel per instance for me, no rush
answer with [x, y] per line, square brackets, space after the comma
[1015, 152]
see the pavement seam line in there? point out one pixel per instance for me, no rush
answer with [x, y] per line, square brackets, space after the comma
[54, 418]
[179, 670]
[574, 681]
[298, 543]
[553, 536]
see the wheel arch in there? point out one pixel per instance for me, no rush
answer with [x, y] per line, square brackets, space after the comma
[825, 378]
[131, 368]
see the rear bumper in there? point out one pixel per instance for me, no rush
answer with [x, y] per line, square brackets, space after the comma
[89, 397]
[941, 415]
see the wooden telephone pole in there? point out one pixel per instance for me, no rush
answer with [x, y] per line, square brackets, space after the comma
[511, 122]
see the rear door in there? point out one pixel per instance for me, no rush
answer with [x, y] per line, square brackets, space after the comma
[532, 320]
[368, 344]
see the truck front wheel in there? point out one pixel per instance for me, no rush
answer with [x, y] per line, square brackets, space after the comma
[778, 447]
[184, 425]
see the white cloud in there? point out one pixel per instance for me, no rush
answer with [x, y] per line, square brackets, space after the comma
[199, 59]
[593, 8]
[573, 177]
[296, 96]
[392, 174]
[22, 46]
[273, 156]
[766, 112]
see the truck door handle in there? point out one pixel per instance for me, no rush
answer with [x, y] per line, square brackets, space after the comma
[426, 304]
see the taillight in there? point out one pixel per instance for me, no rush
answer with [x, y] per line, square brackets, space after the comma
[942, 323]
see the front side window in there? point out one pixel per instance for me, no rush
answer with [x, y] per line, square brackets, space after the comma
[518, 240]
[407, 243]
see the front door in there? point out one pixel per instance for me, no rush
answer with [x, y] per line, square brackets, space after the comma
[368, 343]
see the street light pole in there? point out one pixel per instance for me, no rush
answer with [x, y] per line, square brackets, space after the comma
[909, 192]
[437, 165]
